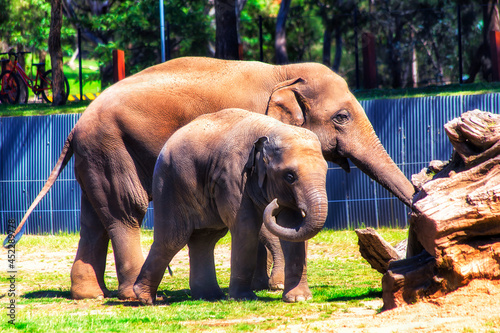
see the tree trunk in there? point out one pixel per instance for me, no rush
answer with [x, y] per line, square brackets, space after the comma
[327, 46]
[55, 51]
[338, 49]
[395, 53]
[482, 58]
[456, 216]
[226, 31]
[280, 41]
[414, 62]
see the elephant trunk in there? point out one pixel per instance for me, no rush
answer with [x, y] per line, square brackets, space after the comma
[313, 218]
[374, 161]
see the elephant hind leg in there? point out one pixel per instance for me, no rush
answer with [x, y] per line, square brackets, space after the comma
[202, 275]
[87, 273]
[119, 204]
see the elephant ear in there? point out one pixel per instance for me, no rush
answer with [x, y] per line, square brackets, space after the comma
[257, 160]
[286, 103]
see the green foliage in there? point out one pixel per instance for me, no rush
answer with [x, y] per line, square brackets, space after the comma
[135, 28]
[249, 29]
[422, 30]
[26, 25]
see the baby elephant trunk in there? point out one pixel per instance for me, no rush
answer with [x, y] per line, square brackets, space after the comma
[313, 219]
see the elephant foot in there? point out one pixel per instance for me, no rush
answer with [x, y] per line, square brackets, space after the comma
[242, 294]
[208, 295]
[87, 292]
[261, 283]
[126, 293]
[87, 281]
[249, 296]
[268, 284]
[277, 283]
[87, 288]
[297, 294]
[143, 294]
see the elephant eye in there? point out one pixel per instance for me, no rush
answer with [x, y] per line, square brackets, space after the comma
[290, 177]
[341, 117]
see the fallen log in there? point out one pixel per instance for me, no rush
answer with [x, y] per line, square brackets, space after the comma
[376, 250]
[455, 218]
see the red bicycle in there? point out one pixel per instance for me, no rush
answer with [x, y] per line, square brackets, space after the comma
[15, 82]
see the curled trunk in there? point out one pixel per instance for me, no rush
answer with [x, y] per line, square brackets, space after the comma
[312, 219]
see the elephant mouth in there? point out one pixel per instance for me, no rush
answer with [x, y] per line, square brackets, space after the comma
[343, 162]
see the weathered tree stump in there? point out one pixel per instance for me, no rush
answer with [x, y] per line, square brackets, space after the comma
[376, 250]
[455, 218]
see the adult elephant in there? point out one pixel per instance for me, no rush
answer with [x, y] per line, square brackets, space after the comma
[119, 136]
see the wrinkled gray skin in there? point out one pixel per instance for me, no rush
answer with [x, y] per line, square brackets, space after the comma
[220, 172]
[119, 136]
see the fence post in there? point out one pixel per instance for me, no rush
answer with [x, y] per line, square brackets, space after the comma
[162, 31]
[369, 61]
[118, 65]
[168, 40]
[495, 54]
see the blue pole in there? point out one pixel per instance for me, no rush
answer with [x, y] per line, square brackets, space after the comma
[162, 31]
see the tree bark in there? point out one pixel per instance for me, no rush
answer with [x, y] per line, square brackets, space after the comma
[327, 46]
[338, 49]
[55, 51]
[376, 250]
[456, 216]
[280, 40]
[226, 31]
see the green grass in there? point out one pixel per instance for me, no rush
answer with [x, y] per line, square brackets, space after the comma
[42, 109]
[90, 77]
[338, 277]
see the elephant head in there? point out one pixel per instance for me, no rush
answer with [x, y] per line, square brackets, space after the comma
[290, 172]
[316, 98]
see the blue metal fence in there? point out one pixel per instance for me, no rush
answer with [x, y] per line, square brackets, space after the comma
[410, 129]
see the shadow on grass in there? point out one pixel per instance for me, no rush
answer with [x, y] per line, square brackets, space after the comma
[48, 294]
[330, 294]
[166, 297]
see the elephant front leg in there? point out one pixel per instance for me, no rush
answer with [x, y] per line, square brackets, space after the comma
[152, 271]
[296, 287]
[244, 243]
[202, 275]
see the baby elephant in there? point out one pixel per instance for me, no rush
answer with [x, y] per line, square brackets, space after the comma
[227, 170]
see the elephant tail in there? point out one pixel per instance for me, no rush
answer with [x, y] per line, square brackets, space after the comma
[66, 154]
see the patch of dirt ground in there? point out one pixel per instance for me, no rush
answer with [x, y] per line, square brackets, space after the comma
[473, 308]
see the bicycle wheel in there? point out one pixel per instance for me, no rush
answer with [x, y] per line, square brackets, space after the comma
[47, 87]
[10, 91]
